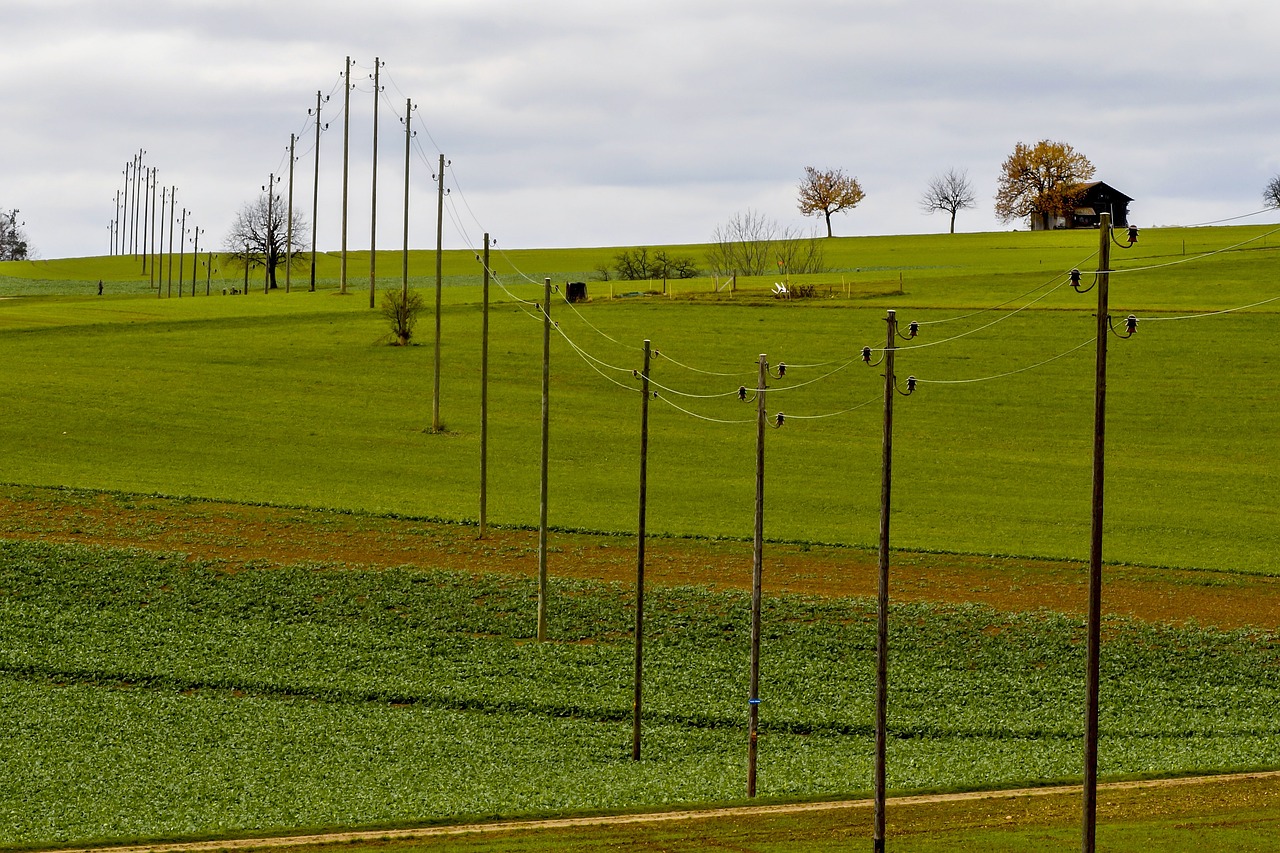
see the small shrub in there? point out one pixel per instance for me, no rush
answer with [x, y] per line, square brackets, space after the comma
[401, 310]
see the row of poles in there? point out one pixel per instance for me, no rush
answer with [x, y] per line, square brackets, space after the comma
[137, 215]
[320, 126]
[891, 390]
[140, 214]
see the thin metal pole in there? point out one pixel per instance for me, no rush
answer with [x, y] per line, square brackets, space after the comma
[435, 405]
[542, 511]
[882, 604]
[1090, 816]
[484, 397]
[757, 578]
[640, 543]
[373, 202]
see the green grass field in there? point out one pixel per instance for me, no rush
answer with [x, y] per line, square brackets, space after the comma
[322, 695]
[319, 695]
[297, 399]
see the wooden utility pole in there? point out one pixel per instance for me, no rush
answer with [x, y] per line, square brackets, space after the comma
[154, 216]
[373, 202]
[408, 136]
[182, 252]
[137, 195]
[143, 248]
[882, 603]
[484, 395]
[315, 192]
[125, 246]
[195, 258]
[757, 580]
[173, 204]
[346, 163]
[288, 237]
[1094, 642]
[542, 510]
[640, 543]
[164, 205]
[435, 402]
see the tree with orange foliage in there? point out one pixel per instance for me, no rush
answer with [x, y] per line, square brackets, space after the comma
[828, 192]
[1041, 182]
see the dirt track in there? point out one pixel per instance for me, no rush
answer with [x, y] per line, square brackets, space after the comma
[379, 835]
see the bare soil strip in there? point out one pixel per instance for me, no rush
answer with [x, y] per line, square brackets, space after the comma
[381, 835]
[239, 535]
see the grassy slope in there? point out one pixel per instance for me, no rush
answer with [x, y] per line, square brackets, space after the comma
[294, 399]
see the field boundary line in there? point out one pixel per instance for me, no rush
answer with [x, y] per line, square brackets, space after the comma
[242, 844]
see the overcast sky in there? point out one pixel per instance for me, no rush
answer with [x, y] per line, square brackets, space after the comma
[620, 122]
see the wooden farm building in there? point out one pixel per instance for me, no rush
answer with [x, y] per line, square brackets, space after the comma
[1096, 197]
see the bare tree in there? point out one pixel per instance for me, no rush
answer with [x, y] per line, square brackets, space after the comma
[1271, 193]
[259, 235]
[743, 245]
[950, 192]
[13, 242]
[828, 192]
[1041, 182]
[799, 254]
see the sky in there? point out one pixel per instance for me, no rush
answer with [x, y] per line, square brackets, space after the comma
[620, 122]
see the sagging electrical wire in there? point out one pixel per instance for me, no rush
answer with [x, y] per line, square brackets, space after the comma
[1010, 372]
[1002, 304]
[698, 416]
[1213, 313]
[1065, 281]
[1200, 257]
[831, 414]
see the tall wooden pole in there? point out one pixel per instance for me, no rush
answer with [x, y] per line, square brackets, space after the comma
[435, 404]
[404, 256]
[173, 204]
[315, 193]
[757, 580]
[346, 164]
[164, 205]
[143, 248]
[1094, 643]
[882, 604]
[640, 543]
[542, 517]
[136, 196]
[195, 259]
[288, 236]
[484, 396]
[373, 202]
[182, 252]
[154, 216]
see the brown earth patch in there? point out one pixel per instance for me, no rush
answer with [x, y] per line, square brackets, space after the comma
[239, 535]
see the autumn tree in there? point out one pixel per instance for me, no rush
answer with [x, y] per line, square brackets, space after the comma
[259, 235]
[13, 242]
[950, 192]
[828, 192]
[1271, 192]
[1041, 182]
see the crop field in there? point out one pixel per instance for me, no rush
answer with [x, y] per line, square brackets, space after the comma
[171, 672]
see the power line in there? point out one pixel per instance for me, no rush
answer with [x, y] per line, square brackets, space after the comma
[1007, 373]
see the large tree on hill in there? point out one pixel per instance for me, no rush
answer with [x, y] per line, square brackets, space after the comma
[13, 242]
[950, 192]
[259, 235]
[1271, 192]
[828, 192]
[1041, 182]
